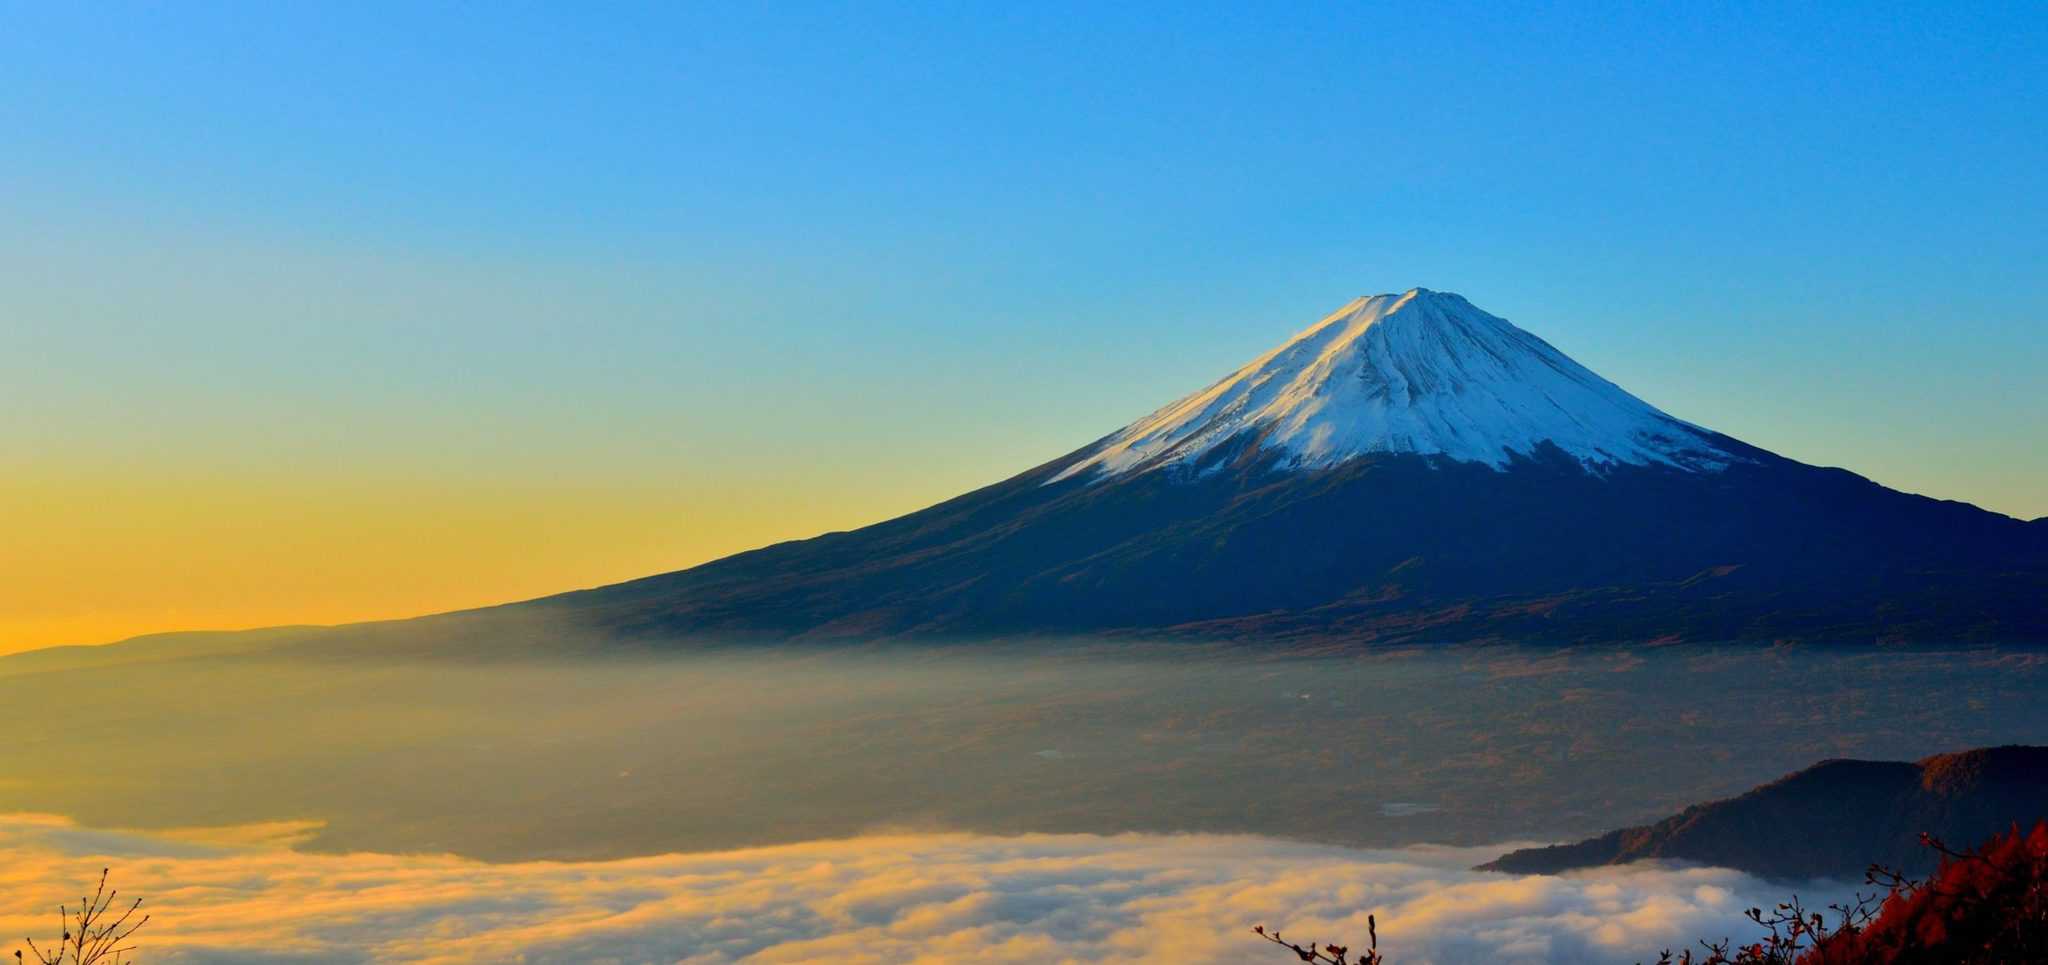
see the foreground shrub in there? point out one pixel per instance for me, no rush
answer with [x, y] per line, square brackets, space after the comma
[93, 933]
[1986, 906]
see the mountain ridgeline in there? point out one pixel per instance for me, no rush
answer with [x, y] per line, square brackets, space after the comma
[1410, 468]
[1833, 819]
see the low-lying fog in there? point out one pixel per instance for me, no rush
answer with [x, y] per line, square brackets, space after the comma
[881, 899]
[608, 755]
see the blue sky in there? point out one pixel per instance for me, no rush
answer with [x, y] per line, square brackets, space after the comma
[836, 262]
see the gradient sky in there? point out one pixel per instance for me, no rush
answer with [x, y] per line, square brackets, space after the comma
[320, 313]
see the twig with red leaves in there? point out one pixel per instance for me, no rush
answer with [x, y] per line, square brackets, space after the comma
[1330, 954]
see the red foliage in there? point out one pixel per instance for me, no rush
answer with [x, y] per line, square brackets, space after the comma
[1989, 905]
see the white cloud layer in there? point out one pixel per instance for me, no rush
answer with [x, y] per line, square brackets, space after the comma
[244, 897]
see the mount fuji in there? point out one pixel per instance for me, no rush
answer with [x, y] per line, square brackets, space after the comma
[1409, 468]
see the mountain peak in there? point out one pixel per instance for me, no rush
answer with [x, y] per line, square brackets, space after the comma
[1193, 522]
[1390, 303]
[1422, 372]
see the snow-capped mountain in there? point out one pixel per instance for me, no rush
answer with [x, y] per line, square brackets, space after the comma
[1408, 468]
[1420, 372]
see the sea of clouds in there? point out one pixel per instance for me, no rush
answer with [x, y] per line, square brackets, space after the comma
[243, 895]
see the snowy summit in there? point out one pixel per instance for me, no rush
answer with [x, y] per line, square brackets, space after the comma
[1421, 372]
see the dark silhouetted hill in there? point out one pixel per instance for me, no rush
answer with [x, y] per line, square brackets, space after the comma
[1833, 819]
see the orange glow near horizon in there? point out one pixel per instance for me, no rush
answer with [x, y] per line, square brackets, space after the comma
[96, 560]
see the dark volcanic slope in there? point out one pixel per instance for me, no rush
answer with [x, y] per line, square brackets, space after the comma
[1831, 820]
[1381, 548]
